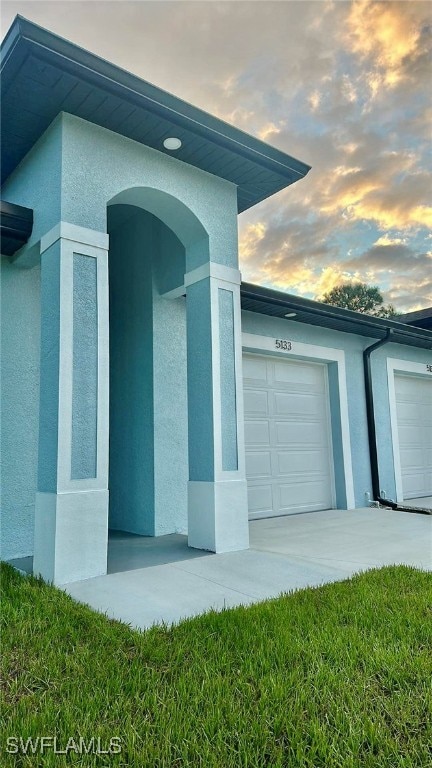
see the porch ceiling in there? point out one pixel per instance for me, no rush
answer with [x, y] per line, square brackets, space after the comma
[43, 74]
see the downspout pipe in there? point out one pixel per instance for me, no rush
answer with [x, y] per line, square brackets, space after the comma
[370, 415]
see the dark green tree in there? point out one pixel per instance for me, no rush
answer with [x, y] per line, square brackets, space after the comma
[361, 298]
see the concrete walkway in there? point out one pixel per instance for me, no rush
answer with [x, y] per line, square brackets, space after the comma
[162, 580]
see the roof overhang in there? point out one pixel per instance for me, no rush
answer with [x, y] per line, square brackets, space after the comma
[43, 74]
[278, 304]
[421, 318]
[16, 224]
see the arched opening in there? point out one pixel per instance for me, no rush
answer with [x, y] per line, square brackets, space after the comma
[154, 240]
[175, 215]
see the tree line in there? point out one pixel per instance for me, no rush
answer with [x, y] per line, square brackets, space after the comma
[361, 298]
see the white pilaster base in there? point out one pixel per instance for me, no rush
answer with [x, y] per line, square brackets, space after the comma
[218, 515]
[71, 536]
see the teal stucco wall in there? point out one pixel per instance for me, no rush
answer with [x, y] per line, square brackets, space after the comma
[148, 389]
[20, 361]
[49, 369]
[36, 182]
[73, 172]
[98, 165]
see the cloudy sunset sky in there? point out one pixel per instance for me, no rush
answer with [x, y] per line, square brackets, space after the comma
[343, 86]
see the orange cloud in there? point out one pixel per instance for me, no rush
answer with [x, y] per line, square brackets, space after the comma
[267, 130]
[387, 34]
[286, 271]
[401, 216]
[350, 197]
[387, 240]
[314, 100]
[391, 194]
[304, 281]
[249, 243]
[287, 275]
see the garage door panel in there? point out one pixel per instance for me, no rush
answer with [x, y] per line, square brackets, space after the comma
[427, 416]
[408, 412]
[292, 495]
[412, 458]
[299, 376]
[255, 369]
[258, 464]
[299, 433]
[260, 499]
[256, 402]
[414, 484]
[409, 435]
[296, 462]
[291, 404]
[414, 421]
[257, 432]
[413, 388]
[295, 473]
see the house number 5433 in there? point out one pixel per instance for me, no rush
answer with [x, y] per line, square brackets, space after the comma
[283, 344]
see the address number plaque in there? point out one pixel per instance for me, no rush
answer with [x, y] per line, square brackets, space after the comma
[283, 344]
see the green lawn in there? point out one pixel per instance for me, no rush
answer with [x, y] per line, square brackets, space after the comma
[335, 676]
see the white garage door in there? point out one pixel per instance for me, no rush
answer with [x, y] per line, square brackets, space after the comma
[414, 420]
[287, 436]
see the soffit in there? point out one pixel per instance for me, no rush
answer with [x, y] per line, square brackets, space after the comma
[43, 74]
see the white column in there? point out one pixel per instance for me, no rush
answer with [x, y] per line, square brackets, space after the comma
[217, 507]
[71, 515]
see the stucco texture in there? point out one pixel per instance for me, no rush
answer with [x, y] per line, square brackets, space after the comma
[20, 353]
[148, 389]
[98, 165]
[72, 174]
[36, 182]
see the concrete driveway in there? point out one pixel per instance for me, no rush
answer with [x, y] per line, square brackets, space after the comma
[162, 580]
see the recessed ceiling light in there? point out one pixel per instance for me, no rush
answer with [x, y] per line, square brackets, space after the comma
[172, 143]
[291, 314]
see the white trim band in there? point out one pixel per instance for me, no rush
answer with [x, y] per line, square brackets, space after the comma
[65, 231]
[211, 269]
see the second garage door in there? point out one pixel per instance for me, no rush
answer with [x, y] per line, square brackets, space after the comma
[414, 420]
[289, 464]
